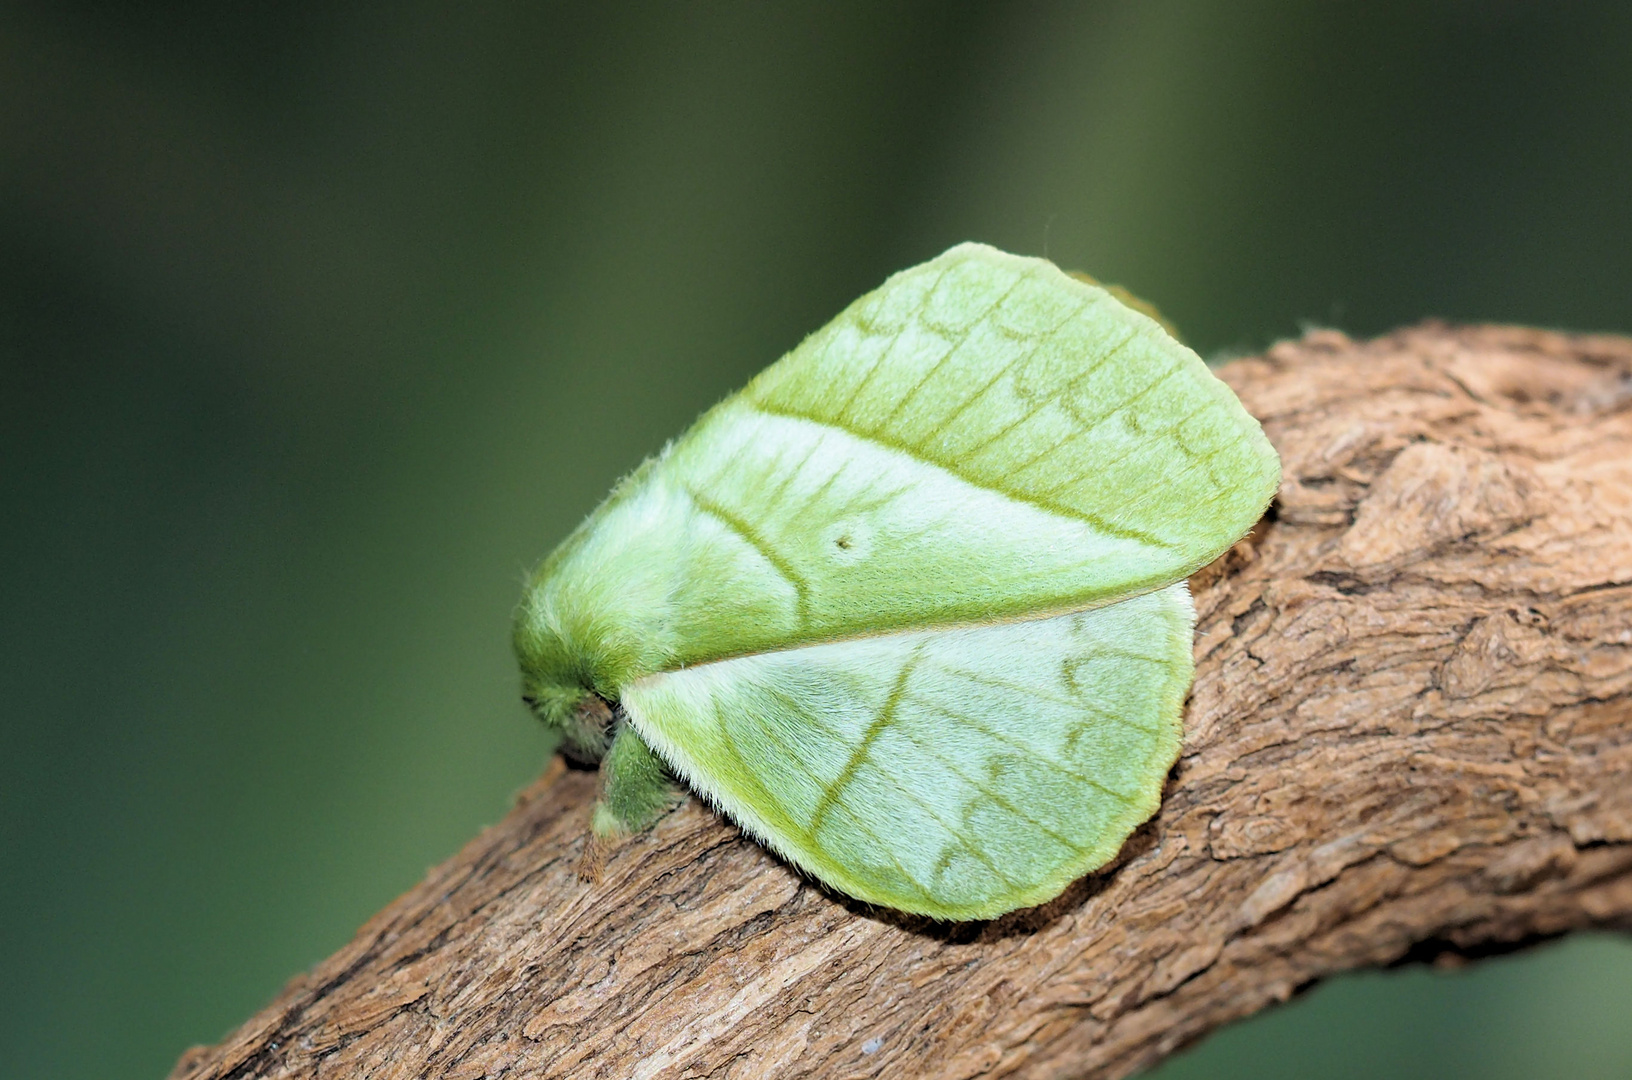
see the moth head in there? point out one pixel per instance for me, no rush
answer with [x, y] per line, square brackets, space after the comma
[558, 686]
[583, 718]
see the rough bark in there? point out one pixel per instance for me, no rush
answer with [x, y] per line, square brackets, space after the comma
[1410, 735]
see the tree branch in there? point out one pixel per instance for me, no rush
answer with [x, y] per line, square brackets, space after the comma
[1410, 734]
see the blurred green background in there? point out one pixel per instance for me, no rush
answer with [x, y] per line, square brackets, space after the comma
[319, 323]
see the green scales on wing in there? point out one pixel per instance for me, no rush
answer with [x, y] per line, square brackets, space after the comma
[910, 606]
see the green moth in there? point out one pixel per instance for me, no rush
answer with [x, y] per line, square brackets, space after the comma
[910, 607]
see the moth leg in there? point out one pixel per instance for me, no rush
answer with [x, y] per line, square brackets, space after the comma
[635, 787]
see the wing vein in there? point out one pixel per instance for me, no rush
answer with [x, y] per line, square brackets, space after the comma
[1120, 458]
[965, 842]
[994, 796]
[809, 835]
[1049, 399]
[962, 340]
[1064, 702]
[1109, 528]
[792, 474]
[1028, 750]
[751, 536]
[886, 716]
[886, 353]
[946, 421]
[1087, 428]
